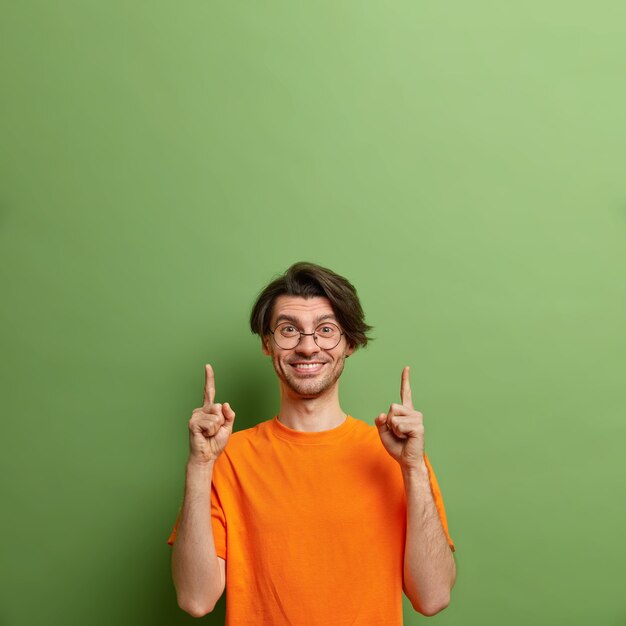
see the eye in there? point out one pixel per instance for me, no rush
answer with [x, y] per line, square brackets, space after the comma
[327, 330]
[287, 330]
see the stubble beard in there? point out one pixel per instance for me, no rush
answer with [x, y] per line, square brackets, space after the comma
[312, 387]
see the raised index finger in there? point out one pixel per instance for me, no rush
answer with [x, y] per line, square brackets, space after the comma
[405, 389]
[209, 386]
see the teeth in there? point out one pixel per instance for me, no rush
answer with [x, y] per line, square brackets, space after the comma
[307, 366]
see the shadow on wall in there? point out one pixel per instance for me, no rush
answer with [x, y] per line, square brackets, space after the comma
[251, 387]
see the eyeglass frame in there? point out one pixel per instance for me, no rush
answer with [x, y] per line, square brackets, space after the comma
[313, 334]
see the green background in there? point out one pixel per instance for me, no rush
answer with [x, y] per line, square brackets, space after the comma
[461, 163]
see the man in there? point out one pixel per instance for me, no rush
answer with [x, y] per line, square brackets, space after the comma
[313, 518]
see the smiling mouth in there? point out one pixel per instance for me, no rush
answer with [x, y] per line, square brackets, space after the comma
[307, 367]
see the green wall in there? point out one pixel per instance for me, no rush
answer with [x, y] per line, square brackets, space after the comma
[462, 163]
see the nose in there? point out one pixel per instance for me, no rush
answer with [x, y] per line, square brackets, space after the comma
[307, 345]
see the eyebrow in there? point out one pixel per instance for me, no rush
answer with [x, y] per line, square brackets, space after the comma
[296, 322]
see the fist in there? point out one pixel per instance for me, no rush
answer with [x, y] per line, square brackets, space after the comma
[210, 426]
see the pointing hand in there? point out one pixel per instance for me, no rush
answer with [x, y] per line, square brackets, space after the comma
[401, 430]
[210, 426]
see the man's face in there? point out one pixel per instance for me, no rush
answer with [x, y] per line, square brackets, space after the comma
[307, 369]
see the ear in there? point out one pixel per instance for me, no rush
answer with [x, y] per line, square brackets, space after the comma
[265, 345]
[349, 350]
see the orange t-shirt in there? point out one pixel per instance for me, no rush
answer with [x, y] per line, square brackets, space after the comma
[312, 526]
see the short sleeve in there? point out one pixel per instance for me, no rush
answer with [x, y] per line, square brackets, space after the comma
[434, 487]
[218, 521]
[218, 524]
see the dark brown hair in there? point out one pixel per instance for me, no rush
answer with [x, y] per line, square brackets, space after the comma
[309, 280]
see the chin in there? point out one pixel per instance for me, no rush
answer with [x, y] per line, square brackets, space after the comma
[308, 391]
[308, 388]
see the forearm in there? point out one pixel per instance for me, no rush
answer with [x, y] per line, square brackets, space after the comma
[429, 567]
[198, 576]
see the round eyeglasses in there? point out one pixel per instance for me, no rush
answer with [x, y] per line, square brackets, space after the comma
[327, 336]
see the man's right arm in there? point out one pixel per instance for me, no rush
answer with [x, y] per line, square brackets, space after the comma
[199, 574]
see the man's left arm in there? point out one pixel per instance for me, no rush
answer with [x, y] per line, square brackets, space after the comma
[429, 567]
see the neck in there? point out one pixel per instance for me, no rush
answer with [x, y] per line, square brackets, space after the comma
[311, 414]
